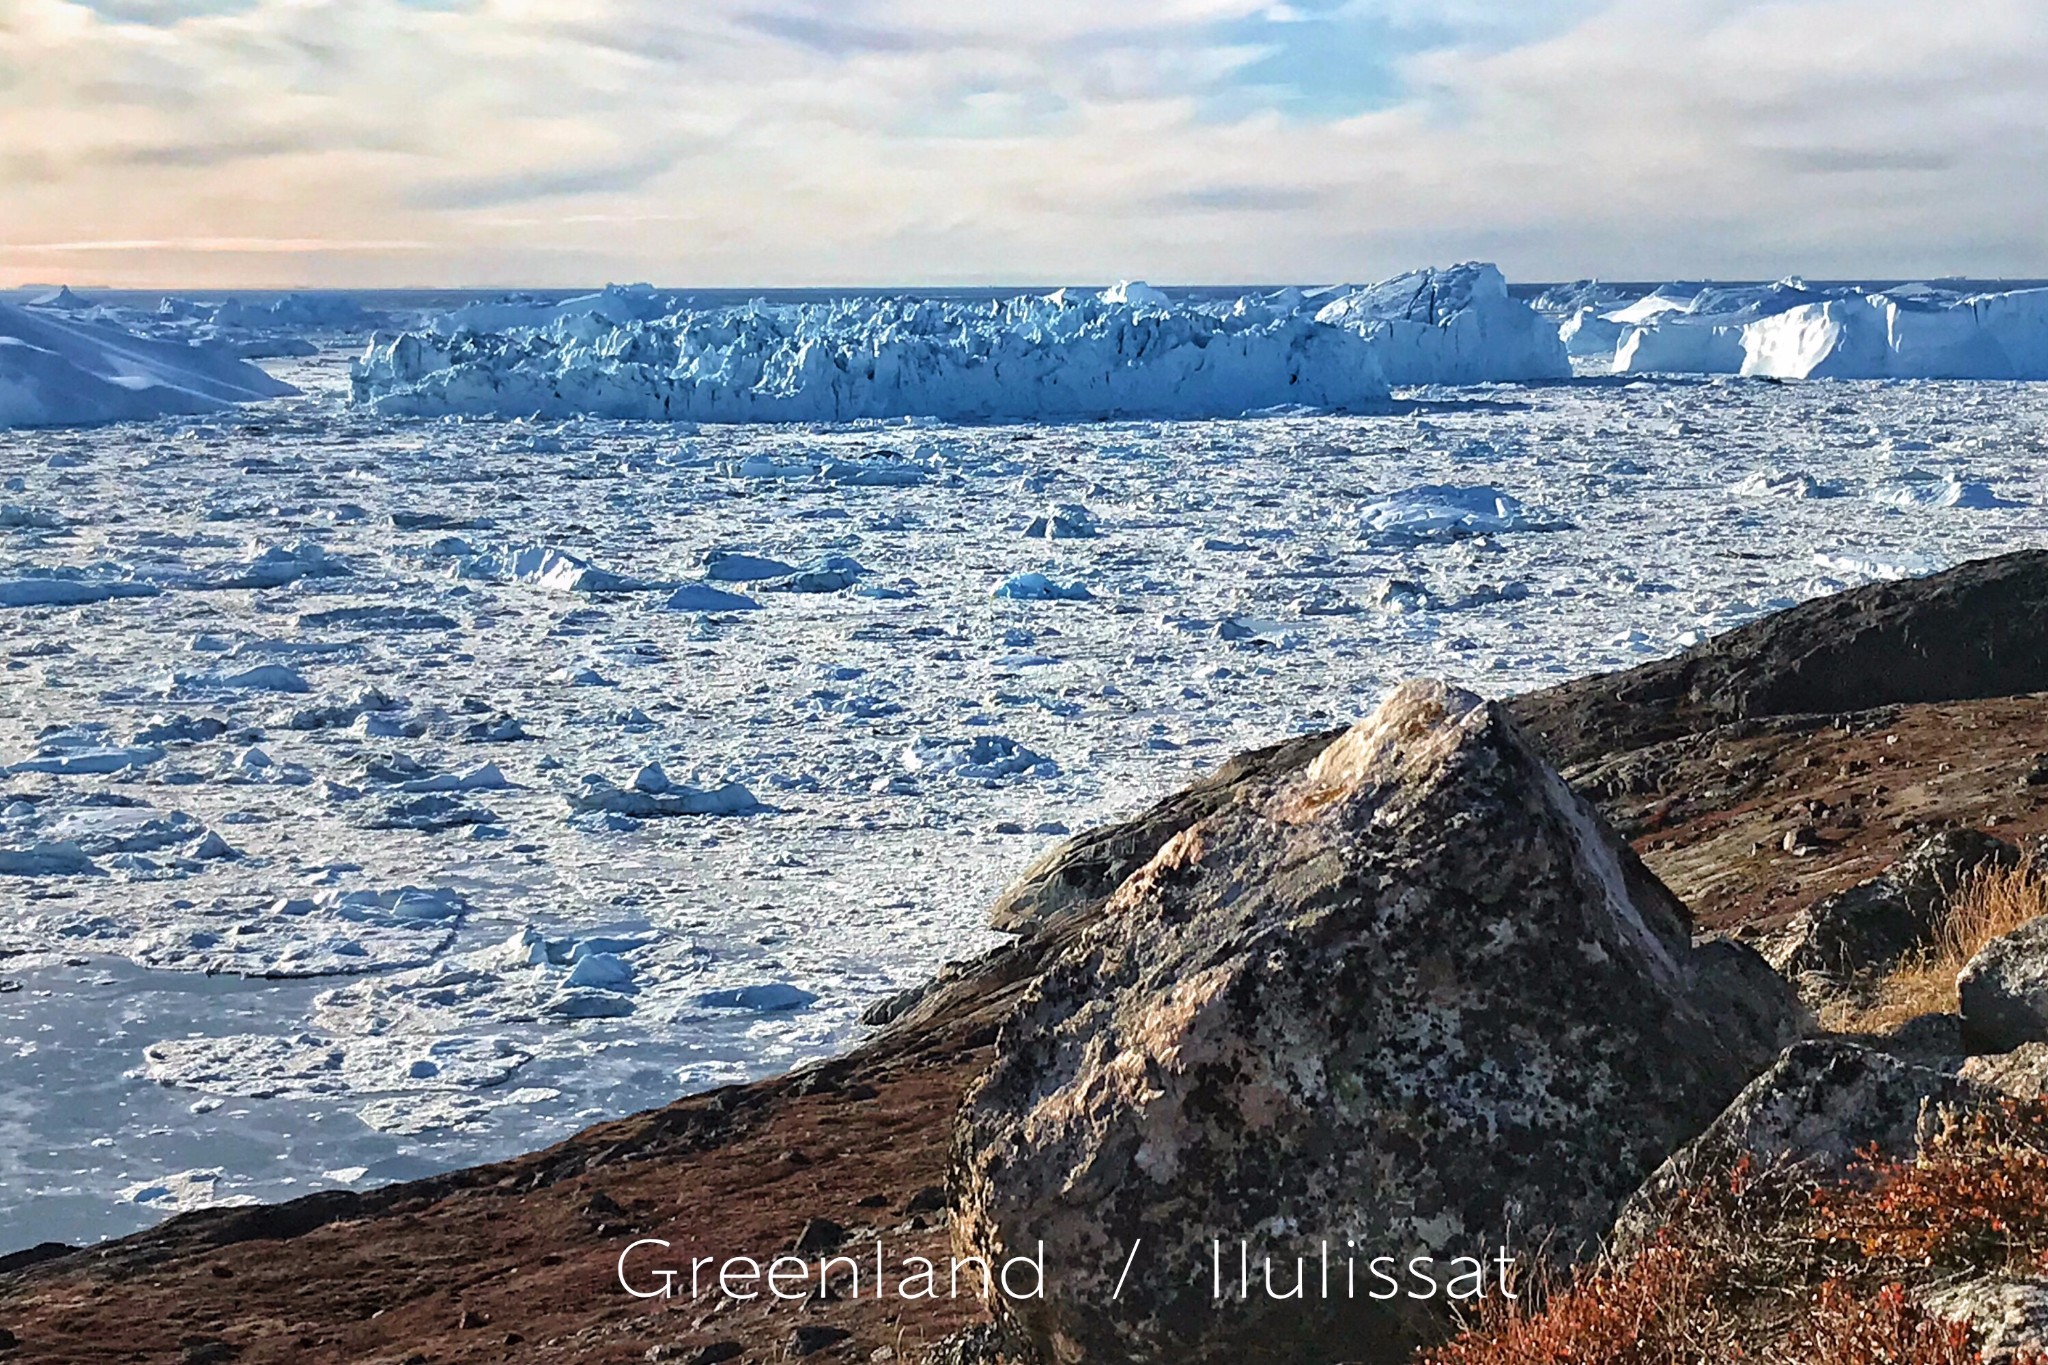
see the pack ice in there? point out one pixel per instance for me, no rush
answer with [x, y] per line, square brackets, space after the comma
[1129, 352]
[61, 369]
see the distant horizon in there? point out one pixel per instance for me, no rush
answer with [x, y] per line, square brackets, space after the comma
[1517, 285]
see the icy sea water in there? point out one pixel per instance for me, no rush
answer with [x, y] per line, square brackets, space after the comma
[213, 985]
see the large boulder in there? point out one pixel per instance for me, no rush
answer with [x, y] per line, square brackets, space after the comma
[1873, 925]
[1412, 999]
[2004, 991]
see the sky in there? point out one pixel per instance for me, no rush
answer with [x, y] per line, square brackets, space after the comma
[560, 143]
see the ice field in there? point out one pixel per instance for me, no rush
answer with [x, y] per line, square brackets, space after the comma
[383, 790]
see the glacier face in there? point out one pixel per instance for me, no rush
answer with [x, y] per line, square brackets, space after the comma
[1131, 351]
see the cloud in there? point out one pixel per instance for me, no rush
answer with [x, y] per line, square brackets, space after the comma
[795, 141]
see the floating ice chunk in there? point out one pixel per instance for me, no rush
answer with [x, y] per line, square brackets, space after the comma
[872, 473]
[602, 972]
[74, 756]
[1062, 521]
[734, 566]
[186, 1191]
[771, 998]
[258, 1066]
[262, 678]
[212, 848]
[15, 517]
[768, 468]
[180, 729]
[1781, 483]
[574, 1003]
[1888, 566]
[1256, 631]
[1950, 491]
[428, 812]
[484, 777]
[833, 573]
[1398, 597]
[987, 758]
[543, 566]
[58, 859]
[599, 796]
[341, 714]
[378, 618]
[274, 566]
[1449, 512]
[701, 597]
[60, 589]
[1036, 587]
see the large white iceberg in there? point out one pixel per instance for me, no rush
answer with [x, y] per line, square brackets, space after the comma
[1129, 352]
[62, 367]
[1905, 336]
[1672, 345]
[1454, 326]
[1792, 330]
[1018, 359]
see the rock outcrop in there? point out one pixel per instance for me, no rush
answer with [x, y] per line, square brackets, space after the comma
[1977, 630]
[1818, 1107]
[1873, 925]
[1413, 998]
[2004, 991]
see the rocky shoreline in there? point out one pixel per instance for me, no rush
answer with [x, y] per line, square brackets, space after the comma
[1395, 983]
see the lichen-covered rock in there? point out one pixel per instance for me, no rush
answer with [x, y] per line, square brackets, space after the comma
[1078, 874]
[2004, 991]
[1873, 925]
[2021, 1073]
[1413, 998]
[1821, 1104]
[2009, 1316]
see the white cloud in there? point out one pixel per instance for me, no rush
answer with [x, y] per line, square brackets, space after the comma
[773, 141]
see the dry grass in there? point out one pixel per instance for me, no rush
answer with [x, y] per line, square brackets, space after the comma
[1990, 903]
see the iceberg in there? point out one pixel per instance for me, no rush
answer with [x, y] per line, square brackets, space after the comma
[851, 359]
[62, 367]
[1904, 336]
[1453, 326]
[1674, 346]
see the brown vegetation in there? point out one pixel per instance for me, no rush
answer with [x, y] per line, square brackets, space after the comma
[1990, 903]
[1773, 1269]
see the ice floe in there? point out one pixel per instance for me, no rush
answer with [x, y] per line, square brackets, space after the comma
[1449, 512]
[653, 795]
